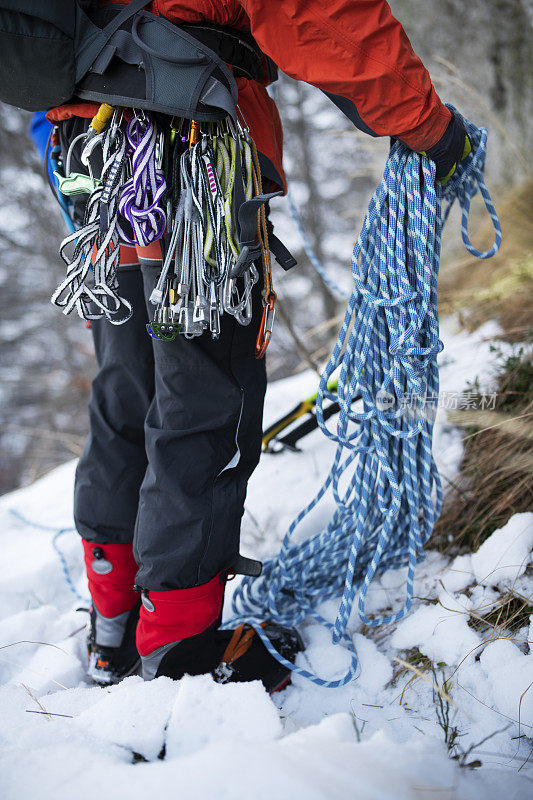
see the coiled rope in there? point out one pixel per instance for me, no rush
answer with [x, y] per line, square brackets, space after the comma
[384, 480]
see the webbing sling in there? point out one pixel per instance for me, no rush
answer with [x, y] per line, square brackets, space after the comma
[383, 479]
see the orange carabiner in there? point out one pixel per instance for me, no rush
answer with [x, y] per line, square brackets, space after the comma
[194, 133]
[267, 323]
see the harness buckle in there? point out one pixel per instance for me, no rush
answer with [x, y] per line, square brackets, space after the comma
[249, 253]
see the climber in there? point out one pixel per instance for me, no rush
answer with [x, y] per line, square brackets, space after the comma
[175, 427]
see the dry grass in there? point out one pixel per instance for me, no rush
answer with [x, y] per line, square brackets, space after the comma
[501, 288]
[414, 663]
[510, 615]
[496, 471]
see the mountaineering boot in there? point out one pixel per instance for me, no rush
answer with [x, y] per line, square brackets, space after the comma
[232, 656]
[111, 647]
[244, 657]
[178, 635]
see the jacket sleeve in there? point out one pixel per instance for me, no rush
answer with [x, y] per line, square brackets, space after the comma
[359, 54]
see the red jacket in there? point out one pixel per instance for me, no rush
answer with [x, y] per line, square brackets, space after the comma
[354, 50]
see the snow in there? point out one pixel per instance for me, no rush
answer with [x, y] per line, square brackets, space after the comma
[459, 574]
[376, 668]
[439, 631]
[510, 675]
[378, 737]
[505, 555]
[206, 712]
[133, 714]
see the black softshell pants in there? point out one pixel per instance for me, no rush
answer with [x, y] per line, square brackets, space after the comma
[175, 433]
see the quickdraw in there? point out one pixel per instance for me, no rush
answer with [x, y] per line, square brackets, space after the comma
[269, 296]
[91, 285]
[194, 186]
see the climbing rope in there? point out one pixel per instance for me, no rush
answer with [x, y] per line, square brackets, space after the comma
[384, 480]
[336, 290]
[58, 533]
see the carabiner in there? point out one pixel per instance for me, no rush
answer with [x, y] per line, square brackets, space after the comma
[267, 323]
[89, 147]
[116, 121]
[214, 312]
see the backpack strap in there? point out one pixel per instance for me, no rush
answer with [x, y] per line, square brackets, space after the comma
[235, 47]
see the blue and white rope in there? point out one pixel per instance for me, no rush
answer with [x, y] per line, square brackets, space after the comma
[58, 532]
[339, 293]
[310, 253]
[387, 352]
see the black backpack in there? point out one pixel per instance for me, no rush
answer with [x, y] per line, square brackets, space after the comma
[52, 51]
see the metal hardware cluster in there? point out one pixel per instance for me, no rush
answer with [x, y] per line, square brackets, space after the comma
[193, 187]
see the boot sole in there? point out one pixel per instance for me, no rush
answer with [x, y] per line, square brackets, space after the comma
[127, 674]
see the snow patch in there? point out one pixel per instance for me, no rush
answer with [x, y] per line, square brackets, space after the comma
[205, 712]
[510, 674]
[376, 668]
[459, 574]
[377, 737]
[133, 714]
[440, 632]
[504, 556]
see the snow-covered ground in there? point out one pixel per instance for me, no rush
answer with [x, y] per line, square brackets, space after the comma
[378, 737]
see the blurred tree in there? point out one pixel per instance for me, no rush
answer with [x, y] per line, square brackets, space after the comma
[332, 171]
[46, 359]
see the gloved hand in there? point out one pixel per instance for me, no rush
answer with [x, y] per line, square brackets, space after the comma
[449, 151]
